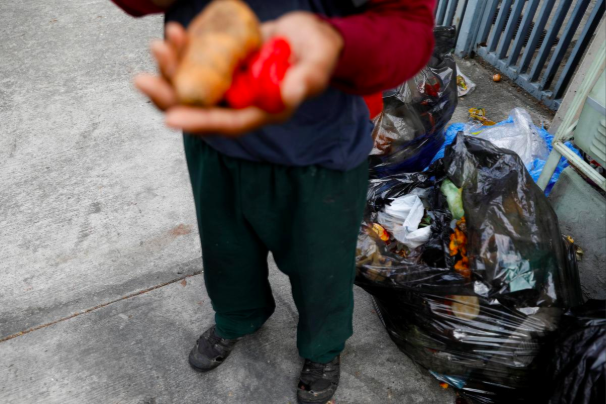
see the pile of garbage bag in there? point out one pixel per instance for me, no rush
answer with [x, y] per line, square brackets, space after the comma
[468, 269]
[410, 129]
[519, 134]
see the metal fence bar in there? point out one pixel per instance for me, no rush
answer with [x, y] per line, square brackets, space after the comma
[487, 20]
[450, 12]
[579, 49]
[441, 11]
[565, 40]
[536, 35]
[512, 35]
[470, 24]
[518, 42]
[512, 24]
[498, 28]
[552, 33]
[459, 13]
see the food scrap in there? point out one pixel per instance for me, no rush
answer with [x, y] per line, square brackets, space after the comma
[464, 84]
[458, 246]
[461, 83]
[479, 114]
[381, 232]
[454, 198]
[466, 307]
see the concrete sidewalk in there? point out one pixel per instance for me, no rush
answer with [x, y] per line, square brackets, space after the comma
[135, 350]
[497, 98]
[101, 294]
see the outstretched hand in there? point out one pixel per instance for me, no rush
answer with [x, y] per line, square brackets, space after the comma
[315, 46]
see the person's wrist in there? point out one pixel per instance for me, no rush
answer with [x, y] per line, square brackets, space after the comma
[334, 36]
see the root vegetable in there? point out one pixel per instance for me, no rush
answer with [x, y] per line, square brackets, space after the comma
[220, 39]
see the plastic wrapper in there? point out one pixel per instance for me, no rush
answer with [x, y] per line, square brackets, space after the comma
[410, 130]
[534, 168]
[577, 374]
[482, 330]
[403, 217]
[464, 84]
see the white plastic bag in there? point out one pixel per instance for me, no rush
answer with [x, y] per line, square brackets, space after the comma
[402, 217]
[414, 238]
[521, 136]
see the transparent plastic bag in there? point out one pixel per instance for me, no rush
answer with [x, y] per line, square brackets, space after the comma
[484, 331]
[520, 136]
[410, 129]
[535, 168]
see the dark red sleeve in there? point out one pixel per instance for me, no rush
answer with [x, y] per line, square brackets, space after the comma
[385, 45]
[138, 8]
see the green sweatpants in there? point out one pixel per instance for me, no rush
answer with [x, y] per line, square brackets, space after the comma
[308, 217]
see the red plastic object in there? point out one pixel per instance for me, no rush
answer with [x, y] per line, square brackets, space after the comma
[257, 82]
[433, 90]
[374, 102]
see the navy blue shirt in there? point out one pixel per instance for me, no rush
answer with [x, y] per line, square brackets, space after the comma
[332, 130]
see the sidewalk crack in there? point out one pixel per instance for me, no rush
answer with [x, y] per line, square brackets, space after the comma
[130, 295]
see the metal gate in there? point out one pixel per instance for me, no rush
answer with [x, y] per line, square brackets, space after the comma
[537, 43]
[450, 12]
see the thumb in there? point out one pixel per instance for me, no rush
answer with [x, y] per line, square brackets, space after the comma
[294, 87]
[268, 30]
[302, 81]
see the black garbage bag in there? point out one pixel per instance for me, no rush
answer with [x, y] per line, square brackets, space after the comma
[577, 374]
[410, 130]
[480, 327]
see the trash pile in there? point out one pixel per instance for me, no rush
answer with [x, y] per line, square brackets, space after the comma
[410, 129]
[517, 133]
[468, 270]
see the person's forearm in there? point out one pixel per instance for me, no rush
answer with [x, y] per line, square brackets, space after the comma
[139, 8]
[164, 3]
[385, 45]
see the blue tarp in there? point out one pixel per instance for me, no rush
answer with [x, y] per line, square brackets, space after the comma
[535, 168]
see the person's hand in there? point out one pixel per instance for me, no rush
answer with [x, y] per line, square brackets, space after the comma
[316, 48]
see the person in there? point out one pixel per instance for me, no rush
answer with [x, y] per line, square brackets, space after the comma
[293, 184]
